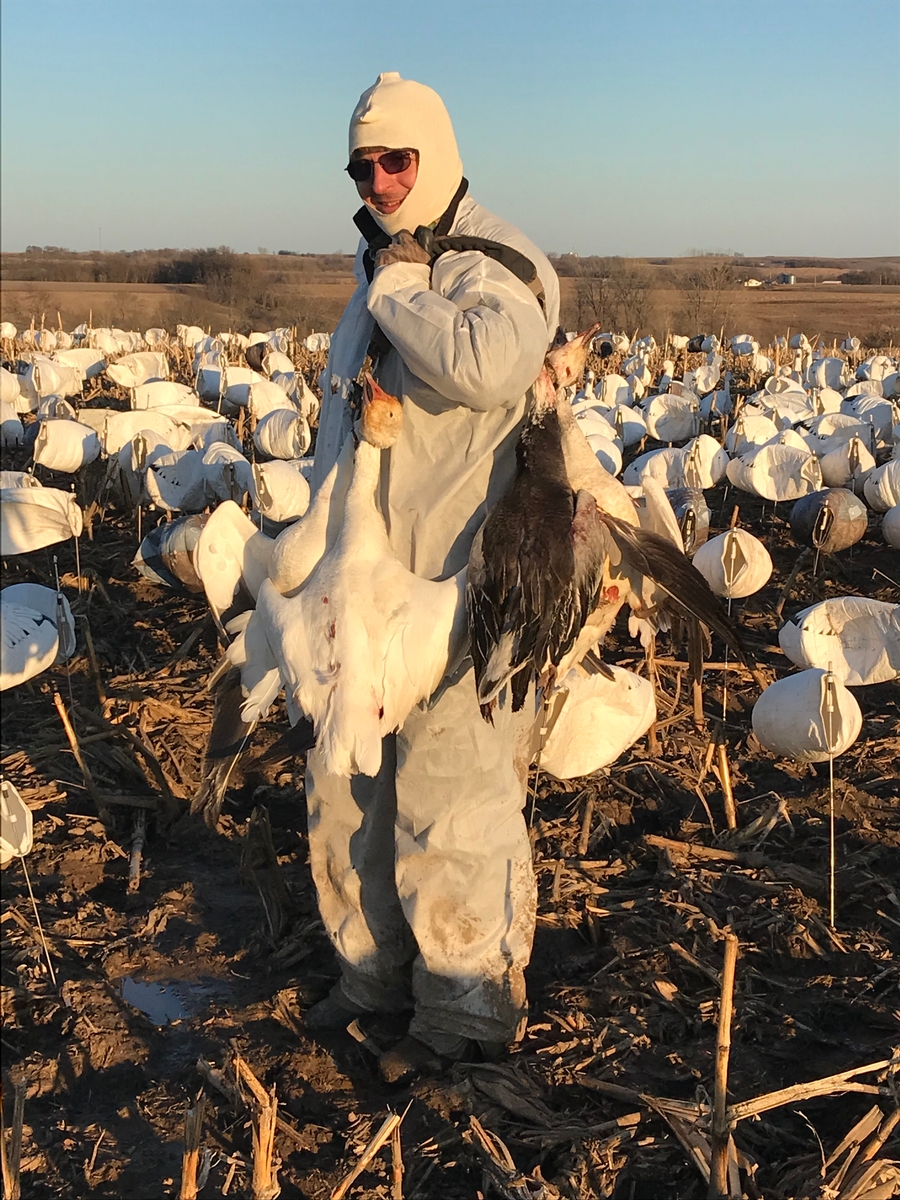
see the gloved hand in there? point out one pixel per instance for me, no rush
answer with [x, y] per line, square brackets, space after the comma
[404, 248]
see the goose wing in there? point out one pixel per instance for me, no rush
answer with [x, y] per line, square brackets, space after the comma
[655, 557]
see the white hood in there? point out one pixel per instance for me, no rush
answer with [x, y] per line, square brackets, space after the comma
[402, 114]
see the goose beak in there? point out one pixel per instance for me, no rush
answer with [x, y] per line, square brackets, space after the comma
[566, 363]
[382, 415]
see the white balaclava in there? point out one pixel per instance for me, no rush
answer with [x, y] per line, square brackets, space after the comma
[402, 114]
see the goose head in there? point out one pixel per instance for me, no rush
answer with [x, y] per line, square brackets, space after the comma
[381, 418]
[566, 362]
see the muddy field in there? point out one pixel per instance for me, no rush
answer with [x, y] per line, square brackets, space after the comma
[216, 947]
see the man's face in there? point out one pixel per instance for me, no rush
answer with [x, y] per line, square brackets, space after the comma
[384, 192]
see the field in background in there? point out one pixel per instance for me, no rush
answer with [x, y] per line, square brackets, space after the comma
[219, 289]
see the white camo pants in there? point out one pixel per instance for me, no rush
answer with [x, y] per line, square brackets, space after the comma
[424, 873]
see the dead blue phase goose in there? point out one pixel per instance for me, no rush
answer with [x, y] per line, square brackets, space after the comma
[644, 561]
[534, 569]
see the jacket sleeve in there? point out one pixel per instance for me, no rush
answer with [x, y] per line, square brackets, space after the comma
[468, 328]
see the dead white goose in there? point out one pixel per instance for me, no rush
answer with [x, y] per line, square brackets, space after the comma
[809, 716]
[592, 719]
[735, 564]
[855, 637]
[36, 630]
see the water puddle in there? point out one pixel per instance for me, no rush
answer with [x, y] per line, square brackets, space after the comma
[167, 1002]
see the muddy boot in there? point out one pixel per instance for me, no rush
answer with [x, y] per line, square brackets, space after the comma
[332, 1013]
[407, 1059]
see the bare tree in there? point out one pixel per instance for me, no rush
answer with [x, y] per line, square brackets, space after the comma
[707, 294]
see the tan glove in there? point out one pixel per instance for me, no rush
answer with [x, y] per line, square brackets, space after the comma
[404, 248]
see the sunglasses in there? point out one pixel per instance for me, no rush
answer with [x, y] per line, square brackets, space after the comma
[362, 170]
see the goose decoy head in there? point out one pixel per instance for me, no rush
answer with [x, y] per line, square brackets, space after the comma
[381, 418]
[566, 362]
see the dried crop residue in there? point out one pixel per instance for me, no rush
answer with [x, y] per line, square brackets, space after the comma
[636, 892]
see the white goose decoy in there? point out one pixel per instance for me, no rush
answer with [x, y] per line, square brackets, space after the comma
[613, 389]
[282, 433]
[9, 388]
[229, 475]
[160, 393]
[364, 640]
[65, 446]
[280, 490]
[12, 432]
[705, 462]
[166, 555]
[593, 719]
[810, 717]
[882, 486]
[855, 637]
[847, 465]
[232, 556]
[672, 418]
[16, 824]
[665, 464]
[890, 526]
[879, 412]
[608, 454]
[176, 481]
[734, 564]
[34, 517]
[85, 360]
[750, 428]
[776, 472]
[134, 369]
[265, 397]
[628, 423]
[37, 631]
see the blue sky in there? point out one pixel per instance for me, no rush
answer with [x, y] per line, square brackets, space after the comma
[642, 128]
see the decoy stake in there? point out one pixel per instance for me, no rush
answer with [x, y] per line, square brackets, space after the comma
[721, 1124]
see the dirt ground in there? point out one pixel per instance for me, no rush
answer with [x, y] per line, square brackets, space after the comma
[639, 882]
